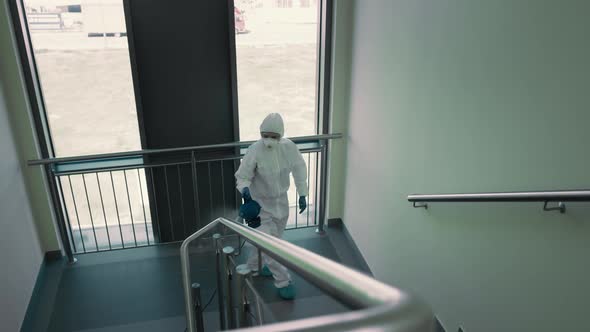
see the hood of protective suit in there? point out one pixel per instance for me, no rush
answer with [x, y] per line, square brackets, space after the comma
[273, 123]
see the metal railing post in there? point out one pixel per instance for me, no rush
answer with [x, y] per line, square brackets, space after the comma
[259, 260]
[195, 188]
[242, 272]
[323, 188]
[198, 305]
[186, 275]
[259, 312]
[220, 284]
[228, 275]
[58, 210]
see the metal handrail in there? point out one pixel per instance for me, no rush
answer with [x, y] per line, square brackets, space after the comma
[377, 306]
[144, 166]
[145, 152]
[559, 196]
[523, 196]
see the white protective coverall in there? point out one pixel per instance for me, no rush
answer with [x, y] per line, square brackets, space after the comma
[265, 170]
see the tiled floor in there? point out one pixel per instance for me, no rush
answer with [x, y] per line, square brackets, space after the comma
[140, 289]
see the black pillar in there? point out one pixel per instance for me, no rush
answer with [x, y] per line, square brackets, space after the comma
[183, 62]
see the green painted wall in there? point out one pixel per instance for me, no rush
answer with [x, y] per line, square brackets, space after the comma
[470, 96]
[340, 74]
[21, 123]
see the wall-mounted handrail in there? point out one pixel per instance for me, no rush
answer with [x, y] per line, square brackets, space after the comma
[378, 306]
[145, 152]
[559, 196]
[520, 196]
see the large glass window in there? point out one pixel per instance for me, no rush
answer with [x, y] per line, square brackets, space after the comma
[82, 58]
[83, 63]
[277, 65]
[276, 57]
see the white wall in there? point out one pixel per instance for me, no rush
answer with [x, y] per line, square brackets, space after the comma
[470, 96]
[340, 74]
[20, 250]
[19, 116]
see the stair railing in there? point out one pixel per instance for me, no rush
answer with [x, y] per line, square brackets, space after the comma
[375, 305]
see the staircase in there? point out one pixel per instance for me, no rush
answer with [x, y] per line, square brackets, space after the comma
[141, 289]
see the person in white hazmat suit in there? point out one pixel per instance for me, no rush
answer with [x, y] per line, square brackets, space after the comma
[264, 177]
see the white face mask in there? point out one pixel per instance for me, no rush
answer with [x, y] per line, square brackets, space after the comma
[270, 142]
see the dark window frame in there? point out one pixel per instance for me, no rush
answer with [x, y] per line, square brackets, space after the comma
[31, 78]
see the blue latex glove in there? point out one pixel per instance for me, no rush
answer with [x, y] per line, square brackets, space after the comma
[246, 194]
[302, 204]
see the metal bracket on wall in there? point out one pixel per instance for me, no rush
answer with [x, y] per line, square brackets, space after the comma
[560, 207]
[420, 205]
